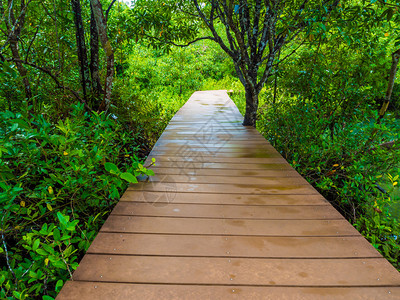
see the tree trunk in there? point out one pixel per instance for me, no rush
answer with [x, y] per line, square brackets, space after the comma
[13, 40]
[250, 117]
[389, 91]
[80, 42]
[102, 30]
[94, 59]
[60, 66]
[21, 69]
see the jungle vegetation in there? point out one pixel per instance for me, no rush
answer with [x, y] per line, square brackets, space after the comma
[87, 87]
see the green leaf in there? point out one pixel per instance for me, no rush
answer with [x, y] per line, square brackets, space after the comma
[42, 252]
[43, 230]
[112, 168]
[35, 244]
[56, 234]
[59, 285]
[129, 177]
[21, 123]
[14, 127]
[67, 252]
[63, 220]
[48, 248]
[150, 172]
[71, 225]
[45, 297]
[17, 295]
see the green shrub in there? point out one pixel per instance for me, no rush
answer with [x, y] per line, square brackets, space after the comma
[327, 149]
[59, 181]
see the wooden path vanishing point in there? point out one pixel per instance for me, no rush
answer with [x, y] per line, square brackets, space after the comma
[226, 217]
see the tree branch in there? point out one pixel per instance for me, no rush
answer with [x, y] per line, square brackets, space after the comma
[30, 44]
[109, 8]
[55, 79]
[180, 45]
[15, 24]
[210, 25]
[290, 54]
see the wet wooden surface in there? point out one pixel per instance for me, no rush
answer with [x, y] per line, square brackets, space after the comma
[226, 217]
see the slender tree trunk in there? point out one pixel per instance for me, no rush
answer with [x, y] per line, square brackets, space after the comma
[13, 40]
[57, 37]
[80, 42]
[94, 58]
[276, 78]
[275, 88]
[21, 69]
[250, 117]
[102, 29]
[389, 91]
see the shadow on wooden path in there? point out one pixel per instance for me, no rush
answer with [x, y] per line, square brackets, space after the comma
[226, 217]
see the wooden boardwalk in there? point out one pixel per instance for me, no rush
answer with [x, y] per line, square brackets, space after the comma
[226, 217]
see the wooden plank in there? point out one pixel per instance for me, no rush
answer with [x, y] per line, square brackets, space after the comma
[193, 129]
[222, 188]
[236, 153]
[194, 157]
[190, 170]
[221, 132]
[219, 151]
[237, 271]
[215, 137]
[298, 180]
[166, 197]
[232, 246]
[229, 166]
[322, 212]
[205, 226]
[177, 143]
[109, 291]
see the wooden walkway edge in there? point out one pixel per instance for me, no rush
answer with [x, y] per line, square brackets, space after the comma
[226, 217]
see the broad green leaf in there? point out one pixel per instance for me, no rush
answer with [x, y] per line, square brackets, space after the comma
[36, 244]
[129, 177]
[150, 172]
[14, 127]
[17, 295]
[56, 234]
[112, 168]
[61, 218]
[59, 285]
[42, 252]
[48, 248]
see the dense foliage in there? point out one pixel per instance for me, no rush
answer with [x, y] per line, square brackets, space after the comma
[321, 110]
[63, 167]
[59, 180]
[362, 185]
[64, 162]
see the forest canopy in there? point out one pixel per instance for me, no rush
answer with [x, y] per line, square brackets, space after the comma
[87, 87]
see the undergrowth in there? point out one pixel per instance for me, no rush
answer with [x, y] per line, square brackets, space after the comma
[59, 181]
[361, 183]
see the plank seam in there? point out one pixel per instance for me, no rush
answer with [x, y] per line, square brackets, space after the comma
[220, 218]
[242, 285]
